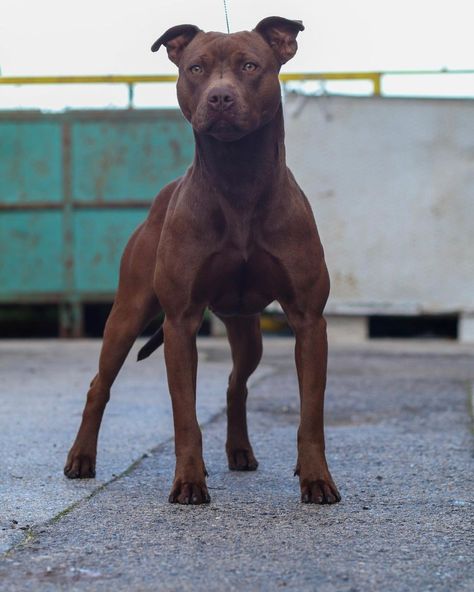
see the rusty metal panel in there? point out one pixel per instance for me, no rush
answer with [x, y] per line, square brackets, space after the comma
[99, 239]
[30, 161]
[73, 187]
[129, 157]
[31, 259]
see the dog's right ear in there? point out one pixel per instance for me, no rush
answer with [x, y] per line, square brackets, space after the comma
[280, 34]
[175, 40]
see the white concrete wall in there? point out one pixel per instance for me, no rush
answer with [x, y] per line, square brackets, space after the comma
[391, 183]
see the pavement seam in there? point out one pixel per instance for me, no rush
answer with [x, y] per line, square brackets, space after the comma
[470, 403]
[32, 533]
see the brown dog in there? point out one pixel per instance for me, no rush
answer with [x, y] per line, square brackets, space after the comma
[233, 234]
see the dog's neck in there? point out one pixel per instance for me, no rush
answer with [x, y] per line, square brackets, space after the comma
[247, 168]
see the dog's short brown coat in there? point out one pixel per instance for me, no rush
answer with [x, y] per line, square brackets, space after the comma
[233, 234]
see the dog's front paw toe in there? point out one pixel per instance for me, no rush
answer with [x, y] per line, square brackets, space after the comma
[189, 494]
[80, 466]
[319, 491]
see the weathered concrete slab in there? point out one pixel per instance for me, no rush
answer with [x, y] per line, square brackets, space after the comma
[400, 448]
[42, 393]
[391, 184]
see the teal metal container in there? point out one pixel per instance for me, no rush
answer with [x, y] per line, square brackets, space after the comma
[73, 187]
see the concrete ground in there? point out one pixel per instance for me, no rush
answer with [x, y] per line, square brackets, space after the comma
[399, 444]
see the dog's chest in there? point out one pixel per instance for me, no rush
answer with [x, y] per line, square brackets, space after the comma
[241, 276]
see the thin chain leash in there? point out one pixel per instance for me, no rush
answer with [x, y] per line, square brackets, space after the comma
[226, 16]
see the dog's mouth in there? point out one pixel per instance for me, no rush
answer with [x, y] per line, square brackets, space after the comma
[224, 130]
[225, 126]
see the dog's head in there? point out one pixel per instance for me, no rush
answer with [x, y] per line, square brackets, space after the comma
[228, 83]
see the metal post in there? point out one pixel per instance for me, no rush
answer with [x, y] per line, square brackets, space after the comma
[131, 91]
[377, 82]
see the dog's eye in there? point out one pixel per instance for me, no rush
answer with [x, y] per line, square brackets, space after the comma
[195, 69]
[249, 67]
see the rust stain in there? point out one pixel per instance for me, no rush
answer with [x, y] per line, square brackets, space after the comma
[345, 281]
[176, 151]
[147, 147]
[41, 167]
[111, 158]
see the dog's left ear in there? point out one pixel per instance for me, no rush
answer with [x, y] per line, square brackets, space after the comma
[280, 34]
[175, 40]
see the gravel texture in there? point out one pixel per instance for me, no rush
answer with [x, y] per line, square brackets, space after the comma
[399, 445]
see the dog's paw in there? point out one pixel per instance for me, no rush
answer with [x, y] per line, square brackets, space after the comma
[319, 491]
[80, 465]
[189, 493]
[241, 460]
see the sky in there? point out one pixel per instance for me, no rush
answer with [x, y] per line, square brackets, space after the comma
[114, 37]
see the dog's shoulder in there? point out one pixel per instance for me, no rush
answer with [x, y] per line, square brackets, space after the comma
[161, 202]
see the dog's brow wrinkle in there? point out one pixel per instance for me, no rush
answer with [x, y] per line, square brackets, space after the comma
[245, 55]
[199, 58]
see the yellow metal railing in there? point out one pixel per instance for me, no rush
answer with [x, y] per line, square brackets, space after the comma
[374, 77]
[131, 80]
[101, 79]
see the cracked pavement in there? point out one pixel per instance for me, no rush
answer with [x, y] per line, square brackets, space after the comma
[399, 444]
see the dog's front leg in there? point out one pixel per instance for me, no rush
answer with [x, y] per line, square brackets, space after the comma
[189, 485]
[317, 485]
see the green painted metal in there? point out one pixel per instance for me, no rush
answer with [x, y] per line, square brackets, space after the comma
[117, 160]
[99, 239]
[30, 253]
[73, 187]
[30, 170]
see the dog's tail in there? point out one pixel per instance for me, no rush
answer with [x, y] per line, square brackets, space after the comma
[153, 343]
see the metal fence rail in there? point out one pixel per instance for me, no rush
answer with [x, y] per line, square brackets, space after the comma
[131, 80]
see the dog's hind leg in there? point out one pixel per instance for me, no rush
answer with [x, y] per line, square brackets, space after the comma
[125, 323]
[245, 340]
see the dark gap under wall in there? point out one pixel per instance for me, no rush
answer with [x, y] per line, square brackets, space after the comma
[29, 320]
[416, 327]
[95, 317]
[42, 320]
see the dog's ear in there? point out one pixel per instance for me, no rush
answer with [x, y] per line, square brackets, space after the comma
[175, 40]
[280, 34]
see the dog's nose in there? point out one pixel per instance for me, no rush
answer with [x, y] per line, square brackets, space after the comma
[221, 98]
